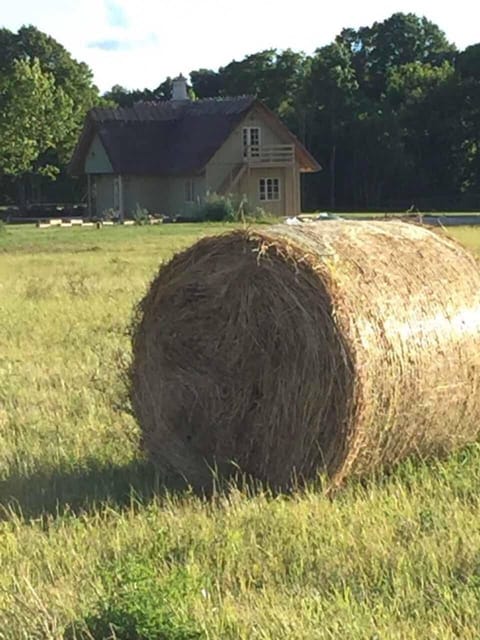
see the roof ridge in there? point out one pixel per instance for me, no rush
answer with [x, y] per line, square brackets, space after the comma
[166, 109]
[158, 102]
[242, 96]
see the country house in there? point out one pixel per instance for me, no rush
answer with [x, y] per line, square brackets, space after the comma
[166, 156]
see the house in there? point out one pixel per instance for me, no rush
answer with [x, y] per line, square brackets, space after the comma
[166, 156]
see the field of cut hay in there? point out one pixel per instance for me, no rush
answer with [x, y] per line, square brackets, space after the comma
[92, 547]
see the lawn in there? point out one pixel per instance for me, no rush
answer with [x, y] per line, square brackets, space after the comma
[92, 547]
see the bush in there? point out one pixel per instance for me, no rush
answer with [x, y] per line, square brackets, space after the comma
[140, 215]
[216, 208]
[108, 215]
[228, 208]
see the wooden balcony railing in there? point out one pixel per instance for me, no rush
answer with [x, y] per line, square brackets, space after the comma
[273, 155]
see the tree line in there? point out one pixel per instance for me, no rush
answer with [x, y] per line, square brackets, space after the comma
[391, 111]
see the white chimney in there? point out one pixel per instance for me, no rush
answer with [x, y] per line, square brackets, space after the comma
[179, 91]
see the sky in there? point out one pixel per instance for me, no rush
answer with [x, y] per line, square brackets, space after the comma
[138, 43]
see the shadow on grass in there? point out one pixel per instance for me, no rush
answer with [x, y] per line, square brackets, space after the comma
[57, 492]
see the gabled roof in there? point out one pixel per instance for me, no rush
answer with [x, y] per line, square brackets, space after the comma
[167, 138]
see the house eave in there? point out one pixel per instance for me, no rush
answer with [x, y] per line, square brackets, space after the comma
[308, 164]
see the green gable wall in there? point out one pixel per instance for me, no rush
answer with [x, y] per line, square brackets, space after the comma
[97, 160]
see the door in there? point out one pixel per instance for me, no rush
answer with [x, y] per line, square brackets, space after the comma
[251, 142]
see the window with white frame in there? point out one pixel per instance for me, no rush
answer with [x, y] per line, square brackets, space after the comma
[189, 190]
[251, 142]
[269, 189]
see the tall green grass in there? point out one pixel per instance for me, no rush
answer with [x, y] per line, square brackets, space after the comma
[92, 546]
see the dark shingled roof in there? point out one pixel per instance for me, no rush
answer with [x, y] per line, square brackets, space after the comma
[161, 137]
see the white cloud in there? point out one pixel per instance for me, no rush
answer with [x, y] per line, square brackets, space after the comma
[143, 41]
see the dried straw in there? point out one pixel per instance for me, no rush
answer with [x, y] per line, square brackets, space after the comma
[337, 346]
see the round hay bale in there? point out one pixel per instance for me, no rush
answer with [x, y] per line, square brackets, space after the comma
[337, 346]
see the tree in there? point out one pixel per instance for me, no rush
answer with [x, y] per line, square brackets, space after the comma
[45, 95]
[122, 97]
[74, 79]
[207, 83]
[465, 103]
[35, 117]
[164, 90]
[398, 40]
[127, 98]
[412, 83]
[271, 75]
[420, 95]
[330, 90]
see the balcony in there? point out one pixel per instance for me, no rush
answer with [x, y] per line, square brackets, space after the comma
[274, 155]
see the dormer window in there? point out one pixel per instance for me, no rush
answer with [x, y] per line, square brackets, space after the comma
[251, 142]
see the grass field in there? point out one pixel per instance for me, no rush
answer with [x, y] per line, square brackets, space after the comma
[92, 547]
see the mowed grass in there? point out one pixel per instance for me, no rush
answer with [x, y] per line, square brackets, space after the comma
[92, 546]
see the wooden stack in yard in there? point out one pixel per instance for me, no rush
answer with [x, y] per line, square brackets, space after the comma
[80, 222]
[63, 223]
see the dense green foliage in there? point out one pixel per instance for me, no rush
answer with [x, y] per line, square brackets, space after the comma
[36, 117]
[92, 546]
[44, 97]
[391, 111]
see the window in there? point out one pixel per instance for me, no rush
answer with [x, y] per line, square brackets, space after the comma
[189, 191]
[269, 189]
[251, 142]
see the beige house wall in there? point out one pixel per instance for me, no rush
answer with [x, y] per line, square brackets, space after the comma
[288, 204]
[230, 156]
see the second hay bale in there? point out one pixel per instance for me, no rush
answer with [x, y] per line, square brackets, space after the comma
[339, 346]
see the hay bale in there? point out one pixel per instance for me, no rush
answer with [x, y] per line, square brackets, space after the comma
[342, 346]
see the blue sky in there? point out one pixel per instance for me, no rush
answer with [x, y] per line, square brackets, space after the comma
[137, 43]
[116, 15]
